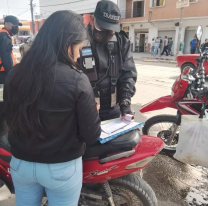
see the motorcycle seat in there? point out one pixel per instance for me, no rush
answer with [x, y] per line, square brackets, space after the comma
[122, 143]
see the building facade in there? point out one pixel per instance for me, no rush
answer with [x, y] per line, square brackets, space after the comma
[147, 19]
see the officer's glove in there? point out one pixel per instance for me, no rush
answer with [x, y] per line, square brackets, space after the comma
[125, 107]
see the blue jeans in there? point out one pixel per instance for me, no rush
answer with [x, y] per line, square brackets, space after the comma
[62, 182]
[157, 50]
[152, 50]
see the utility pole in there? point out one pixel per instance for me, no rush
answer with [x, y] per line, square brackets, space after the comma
[31, 9]
[179, 32]
[180, 5]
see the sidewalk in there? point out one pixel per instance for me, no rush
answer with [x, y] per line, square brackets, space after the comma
[147, 58]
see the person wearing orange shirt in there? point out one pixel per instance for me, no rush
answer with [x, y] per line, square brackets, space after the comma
[7, 59]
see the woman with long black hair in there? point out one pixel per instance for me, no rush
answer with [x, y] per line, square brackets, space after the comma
[51, 113]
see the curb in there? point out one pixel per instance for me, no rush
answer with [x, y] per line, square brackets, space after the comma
[161, 60]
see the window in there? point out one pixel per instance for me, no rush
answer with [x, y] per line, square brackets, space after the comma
[138, 8]
[155, 3]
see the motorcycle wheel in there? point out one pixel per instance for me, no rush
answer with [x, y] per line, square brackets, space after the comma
[131, 190]
[187, 66]
[162, 126]
[134, 190]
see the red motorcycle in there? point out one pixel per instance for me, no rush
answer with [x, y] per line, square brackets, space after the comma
[107, 170]
[188, 96]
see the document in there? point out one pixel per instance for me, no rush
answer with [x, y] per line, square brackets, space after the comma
[129, 127]
[114, 126]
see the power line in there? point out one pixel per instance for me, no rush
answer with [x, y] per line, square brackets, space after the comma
[23, 12]
[63, 9]
[62, 4]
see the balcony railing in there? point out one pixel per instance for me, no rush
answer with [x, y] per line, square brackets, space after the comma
[132, 13]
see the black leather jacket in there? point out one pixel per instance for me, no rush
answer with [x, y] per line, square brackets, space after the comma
[123, 61]
[68, 116]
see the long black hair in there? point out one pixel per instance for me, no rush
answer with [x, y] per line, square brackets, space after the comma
[60, 31]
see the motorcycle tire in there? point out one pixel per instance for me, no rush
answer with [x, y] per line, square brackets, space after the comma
[160, 119]
[187, 66]
[133, 185]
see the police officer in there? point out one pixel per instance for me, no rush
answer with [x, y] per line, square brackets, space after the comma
[7, 60]
[108, 62]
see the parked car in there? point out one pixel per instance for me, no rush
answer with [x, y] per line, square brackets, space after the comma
[189, 61]
[25, 46]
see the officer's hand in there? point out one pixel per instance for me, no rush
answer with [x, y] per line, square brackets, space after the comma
[125, 110]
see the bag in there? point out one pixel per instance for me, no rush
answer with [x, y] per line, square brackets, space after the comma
[192, 147]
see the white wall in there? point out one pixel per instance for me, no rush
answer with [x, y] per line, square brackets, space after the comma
[80, 7]
[122, 7]
[132, 36]
[153, 32]
[205, 34]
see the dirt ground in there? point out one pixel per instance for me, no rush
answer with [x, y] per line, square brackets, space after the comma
[175, 183]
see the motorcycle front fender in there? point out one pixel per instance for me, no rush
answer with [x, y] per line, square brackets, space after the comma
[161, 103]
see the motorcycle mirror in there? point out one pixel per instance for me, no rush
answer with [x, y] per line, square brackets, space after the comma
[199, 32]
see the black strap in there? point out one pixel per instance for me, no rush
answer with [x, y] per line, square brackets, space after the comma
[94, 84]
[119, 69]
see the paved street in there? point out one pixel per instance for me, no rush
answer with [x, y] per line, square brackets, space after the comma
[154, 80]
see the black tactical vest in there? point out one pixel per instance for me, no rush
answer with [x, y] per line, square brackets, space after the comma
[103, 69]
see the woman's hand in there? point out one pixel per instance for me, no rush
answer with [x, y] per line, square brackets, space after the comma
[98, 107]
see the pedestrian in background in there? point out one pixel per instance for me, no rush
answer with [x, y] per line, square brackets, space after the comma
[165, 46]
[7, 59]
[170, 45]
[197, 47]
[205, 46]
[152, 48]
[193, 44]
[157, 46]
[51, 114]
[161, 43]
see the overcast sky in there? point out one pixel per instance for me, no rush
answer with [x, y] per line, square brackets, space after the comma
[17, 7]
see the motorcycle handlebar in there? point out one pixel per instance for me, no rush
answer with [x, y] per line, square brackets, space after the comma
[200, 93]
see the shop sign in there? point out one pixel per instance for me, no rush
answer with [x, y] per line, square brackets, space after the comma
[182, 4]
[126, 28]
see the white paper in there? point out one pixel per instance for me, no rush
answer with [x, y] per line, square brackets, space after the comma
[114, 126]
[129, 117]
[129, 126]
